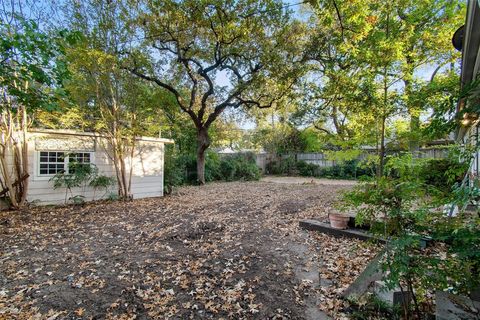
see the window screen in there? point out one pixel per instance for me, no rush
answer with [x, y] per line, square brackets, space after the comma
[78, 157]
[53, 162]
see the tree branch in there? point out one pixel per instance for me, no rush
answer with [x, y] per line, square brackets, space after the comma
[169, 88]
[321, 129]
[342, 26]
[436, 71]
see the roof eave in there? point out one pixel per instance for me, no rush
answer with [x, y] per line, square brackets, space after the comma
[94, 135]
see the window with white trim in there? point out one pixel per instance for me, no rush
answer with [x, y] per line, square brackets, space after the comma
[53, 162]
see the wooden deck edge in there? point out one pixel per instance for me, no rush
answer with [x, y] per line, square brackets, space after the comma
[354, 233]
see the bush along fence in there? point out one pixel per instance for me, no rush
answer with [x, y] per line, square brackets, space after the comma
[321, 165]
[180, 169]
[294, 165]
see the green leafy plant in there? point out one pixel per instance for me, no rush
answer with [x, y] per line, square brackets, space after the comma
[174, 171]
[101, 182]
[285, 165]
[112, 196]
[239, 167]
[399, 206]
[182, 168]
[370, 306]
[80, 175]
[32, 71]
[307, 169]
[77, 199]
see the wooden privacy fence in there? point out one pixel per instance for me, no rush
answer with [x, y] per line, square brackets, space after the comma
[321, 159]
[437, 153]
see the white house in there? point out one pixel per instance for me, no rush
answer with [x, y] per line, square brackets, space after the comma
[467, 39]
[51, 151]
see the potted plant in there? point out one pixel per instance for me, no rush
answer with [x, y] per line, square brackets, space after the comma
[338, 220]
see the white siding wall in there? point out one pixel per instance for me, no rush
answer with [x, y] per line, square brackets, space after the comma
[147, 180]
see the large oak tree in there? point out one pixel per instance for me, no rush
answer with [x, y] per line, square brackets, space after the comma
[216, 55]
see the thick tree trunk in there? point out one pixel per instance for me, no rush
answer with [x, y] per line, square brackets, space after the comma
[13, 143]
[7, 179]
[203, 142]
[123, 172]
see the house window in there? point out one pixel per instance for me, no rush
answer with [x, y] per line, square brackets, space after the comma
[53, 162]
[78, 157]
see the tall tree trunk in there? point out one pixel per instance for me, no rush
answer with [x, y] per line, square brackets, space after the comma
[384, 111]
[412, 107]
[413, 112]
[203, 142]
[14, 147]
[414, 143]
[7, 178]
[24, 144]
[381, 152]
[126, 184]
[383, 118]
[121, 147]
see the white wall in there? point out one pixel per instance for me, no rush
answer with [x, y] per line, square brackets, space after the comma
[147, 178]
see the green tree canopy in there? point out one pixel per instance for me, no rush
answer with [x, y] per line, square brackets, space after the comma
[218, 55]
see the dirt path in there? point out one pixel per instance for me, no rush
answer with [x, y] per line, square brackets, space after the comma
[225, 250]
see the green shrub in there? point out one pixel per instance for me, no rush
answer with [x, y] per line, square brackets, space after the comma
[350, 169]
[337, 171]
[227, 169]
[79, 176]
[400, 201]
[369, 306]
[443, 173]
[102, 182]
[306, 169]
[186, 167]
[238, 167]
[245, 170]
[212, 166]
[174, 170]
[366, 169]
[272, 167]
[181, 169]
[188, 162]
[285, 165]
[325, 172]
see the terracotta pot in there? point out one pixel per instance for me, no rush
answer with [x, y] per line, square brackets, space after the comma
[338, 221]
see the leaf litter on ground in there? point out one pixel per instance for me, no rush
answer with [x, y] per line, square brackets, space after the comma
[220, 251]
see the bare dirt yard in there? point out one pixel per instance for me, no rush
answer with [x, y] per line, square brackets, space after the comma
[220, 251]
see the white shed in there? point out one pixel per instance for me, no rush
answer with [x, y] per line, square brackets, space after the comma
[50, 151]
